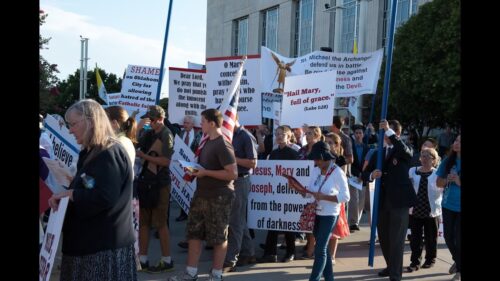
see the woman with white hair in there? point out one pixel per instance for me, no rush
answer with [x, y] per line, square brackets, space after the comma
[98, 238]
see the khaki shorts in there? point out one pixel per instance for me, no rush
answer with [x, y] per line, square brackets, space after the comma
[156, 217]
[209, 219]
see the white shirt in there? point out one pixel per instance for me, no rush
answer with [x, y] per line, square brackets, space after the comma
[336, 184]
[191, 137]
[434, 193]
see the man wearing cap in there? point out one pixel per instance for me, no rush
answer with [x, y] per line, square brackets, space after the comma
[396, 197]
[158, 139]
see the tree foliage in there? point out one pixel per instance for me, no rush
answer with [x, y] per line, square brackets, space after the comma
[47, 77]
[425, 80]
[70, 88]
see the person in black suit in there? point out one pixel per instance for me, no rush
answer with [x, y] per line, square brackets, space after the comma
[192, 139]
[396, 197]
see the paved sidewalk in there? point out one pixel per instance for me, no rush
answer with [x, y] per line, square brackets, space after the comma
[351, 260]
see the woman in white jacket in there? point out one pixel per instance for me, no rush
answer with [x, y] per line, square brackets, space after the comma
[424, 216]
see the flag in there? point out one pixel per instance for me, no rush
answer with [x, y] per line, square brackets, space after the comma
[355, 47]
[100, 86]
[228, 108]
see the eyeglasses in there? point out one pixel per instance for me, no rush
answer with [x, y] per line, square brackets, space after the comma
[72, 124]
[427, 156]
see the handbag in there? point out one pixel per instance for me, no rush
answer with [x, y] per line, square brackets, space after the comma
[148, 187]
[308, 215]
[341, 229]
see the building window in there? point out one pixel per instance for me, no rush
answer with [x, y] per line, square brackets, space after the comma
[240, 36]
[270, 28]
[404, 9]
[349, 16]
[304, 27]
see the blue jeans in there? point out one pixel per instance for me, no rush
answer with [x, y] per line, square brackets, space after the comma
[323, 227]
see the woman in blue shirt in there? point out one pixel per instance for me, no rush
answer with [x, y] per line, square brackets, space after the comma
[449, 173]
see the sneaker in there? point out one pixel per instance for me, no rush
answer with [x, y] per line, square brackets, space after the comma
[456, 277]
[162, 267]
[228, 267]
[185, 277]
[453, 268]
[212, 277]
[144, 266]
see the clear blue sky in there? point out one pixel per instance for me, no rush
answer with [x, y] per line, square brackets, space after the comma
[124, 32]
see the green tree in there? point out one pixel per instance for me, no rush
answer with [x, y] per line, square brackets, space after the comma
[425, 80]
[70, 87]
[48, 79]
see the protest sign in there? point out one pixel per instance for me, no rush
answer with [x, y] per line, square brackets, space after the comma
[187, 94]
[51, 240]
[220, 73]
[272, 204]
[357, 74]
[310, 97]
[182, 191]
[64, 147]
[139, 89]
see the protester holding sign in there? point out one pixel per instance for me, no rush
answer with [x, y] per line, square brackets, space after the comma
[283, 152]
[156, 149]
[328, 185]
[210, 210]
[98, 240]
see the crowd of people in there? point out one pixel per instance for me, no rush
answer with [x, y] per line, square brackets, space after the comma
[106, 230]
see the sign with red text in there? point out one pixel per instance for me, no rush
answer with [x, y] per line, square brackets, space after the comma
[357, 74]
[272, 204]
[220, 73]
[51, 240]
[139, 89]
[308, 99]
[187, 94]
[114, 99]
[181, 190]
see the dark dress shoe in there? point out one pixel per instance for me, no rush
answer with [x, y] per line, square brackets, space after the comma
[428, 264]
[182, 217]
[209, 247]
[384, 273]
[246, 260]
[353, 228]
[183, 244]
[268, 258]
[412, 267]
[288, 258]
